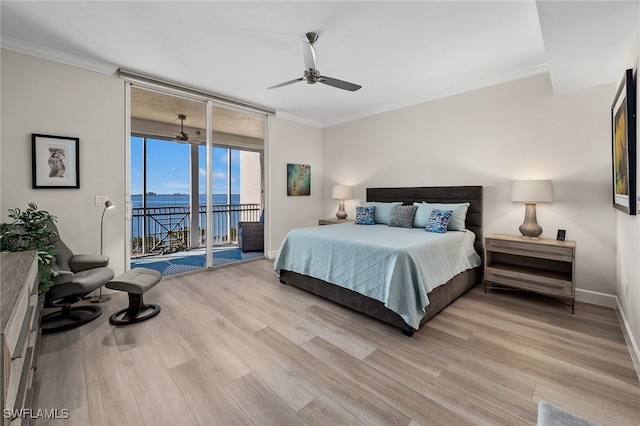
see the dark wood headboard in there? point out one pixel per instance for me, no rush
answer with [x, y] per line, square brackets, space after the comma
[439, 194]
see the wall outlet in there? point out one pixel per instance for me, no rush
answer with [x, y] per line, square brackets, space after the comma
[626, 288]
[101, 199]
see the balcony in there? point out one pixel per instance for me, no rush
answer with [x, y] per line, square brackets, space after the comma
[166, 230]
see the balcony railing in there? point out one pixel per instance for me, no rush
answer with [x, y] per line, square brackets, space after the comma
[157, 230]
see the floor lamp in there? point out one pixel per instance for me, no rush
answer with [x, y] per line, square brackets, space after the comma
[100, 298]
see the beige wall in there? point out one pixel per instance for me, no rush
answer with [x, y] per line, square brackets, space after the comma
[250, 178]
[295, 143]
[490, 137]
[40, 96]
[628, 248]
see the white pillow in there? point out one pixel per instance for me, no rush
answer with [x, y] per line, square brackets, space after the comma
[458, 214]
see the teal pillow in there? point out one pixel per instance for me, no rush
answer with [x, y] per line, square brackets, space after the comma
[383, 211]
[458, 214]
[423, 213]
[438, 221]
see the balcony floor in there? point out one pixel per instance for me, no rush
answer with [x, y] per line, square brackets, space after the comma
[185, 261]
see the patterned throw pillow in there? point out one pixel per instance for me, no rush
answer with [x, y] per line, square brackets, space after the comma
[402, 216]
[365, 215]
[438, 221]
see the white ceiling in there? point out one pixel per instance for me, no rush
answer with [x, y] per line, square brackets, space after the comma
[402, 53]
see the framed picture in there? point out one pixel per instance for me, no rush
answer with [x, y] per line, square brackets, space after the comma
[623, 141]
[55, 162]
[298, 179]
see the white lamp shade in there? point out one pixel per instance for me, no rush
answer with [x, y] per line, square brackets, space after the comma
[532, 191]
[342, 192]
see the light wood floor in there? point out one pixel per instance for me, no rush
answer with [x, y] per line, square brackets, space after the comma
[233, 346]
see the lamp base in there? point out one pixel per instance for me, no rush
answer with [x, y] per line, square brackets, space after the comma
[530, 228]
[342, 214]
[99, 298]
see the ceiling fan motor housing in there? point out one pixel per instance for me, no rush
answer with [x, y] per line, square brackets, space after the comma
[311, 37]
[312, 76]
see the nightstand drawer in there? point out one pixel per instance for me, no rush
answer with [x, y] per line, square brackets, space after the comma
[564, 254]
[548, 283]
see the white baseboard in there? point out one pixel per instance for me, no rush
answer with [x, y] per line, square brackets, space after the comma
[612, 301]
[272, 254]
[596, 298]
[628, 337]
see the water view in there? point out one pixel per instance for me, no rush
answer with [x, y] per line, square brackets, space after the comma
[172, 200]
[167, 220]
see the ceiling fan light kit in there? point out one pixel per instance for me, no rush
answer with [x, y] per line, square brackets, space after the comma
[182, 136]
[311, 73]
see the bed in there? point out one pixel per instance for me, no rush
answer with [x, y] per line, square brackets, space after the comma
[383, 301]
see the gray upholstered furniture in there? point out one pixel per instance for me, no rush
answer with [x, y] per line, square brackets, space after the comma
[78, 275]
[136, 283]
[441, 296]
[251, 235]
[552, 415]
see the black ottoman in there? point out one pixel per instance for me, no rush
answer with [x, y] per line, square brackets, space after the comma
[136, 282]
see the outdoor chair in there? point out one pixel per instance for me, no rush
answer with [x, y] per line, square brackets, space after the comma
[251, 235]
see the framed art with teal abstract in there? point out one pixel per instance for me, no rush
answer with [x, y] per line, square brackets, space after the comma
[298, 179]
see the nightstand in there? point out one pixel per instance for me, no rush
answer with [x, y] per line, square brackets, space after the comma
[542, 266]
[333, 221]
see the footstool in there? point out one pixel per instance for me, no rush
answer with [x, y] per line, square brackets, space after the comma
[135, 282]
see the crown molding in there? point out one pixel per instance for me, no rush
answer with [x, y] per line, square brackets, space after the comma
[298, 119]
[449, 91]
[57, 56]
[109, 69]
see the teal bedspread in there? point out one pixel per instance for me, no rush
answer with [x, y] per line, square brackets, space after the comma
[396, 266]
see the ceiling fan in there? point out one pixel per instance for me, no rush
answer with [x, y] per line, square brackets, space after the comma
[311, 73]
[182, 136]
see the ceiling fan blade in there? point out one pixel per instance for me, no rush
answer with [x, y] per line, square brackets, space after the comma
[286, 83]
[309, 56]
[340, 84]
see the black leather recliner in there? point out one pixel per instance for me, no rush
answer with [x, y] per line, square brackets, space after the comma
[78, 275]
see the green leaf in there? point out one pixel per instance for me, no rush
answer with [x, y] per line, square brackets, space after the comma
[29, 231]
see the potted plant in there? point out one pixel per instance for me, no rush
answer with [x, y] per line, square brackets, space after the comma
[29, 231]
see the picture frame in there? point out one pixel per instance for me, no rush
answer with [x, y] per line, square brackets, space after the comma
[55, 161]
[623, 145]
[562, 234]
[298, 179]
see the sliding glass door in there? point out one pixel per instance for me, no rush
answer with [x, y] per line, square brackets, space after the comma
[187, 200]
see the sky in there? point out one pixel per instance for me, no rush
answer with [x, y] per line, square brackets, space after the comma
[169, 168]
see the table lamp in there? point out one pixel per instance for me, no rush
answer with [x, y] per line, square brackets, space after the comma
[531, 192]
[342, 192]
